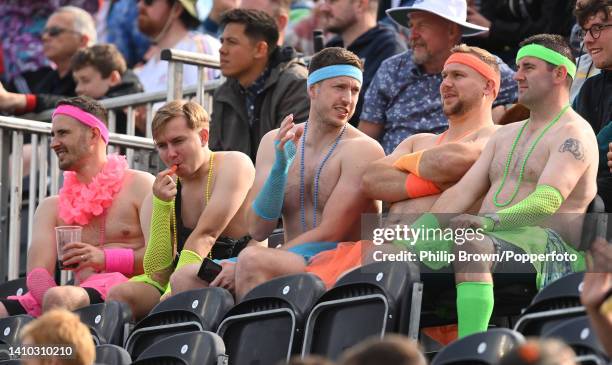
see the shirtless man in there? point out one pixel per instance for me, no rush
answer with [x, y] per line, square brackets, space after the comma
[100, 194]
[527, 172]
[207, 199]
[330, 159]
[412, 177]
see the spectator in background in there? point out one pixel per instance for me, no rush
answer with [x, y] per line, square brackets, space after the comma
[210, 25]
[511, 21]
[594, 102]
[122, 31]
[403, 98]
[264, 84]
[100, 72]
[167, 23]
[66, 31]
[391, 349]
[354, 22]
[60, 327]
[277, 9]
[540, 352]
[21, 25]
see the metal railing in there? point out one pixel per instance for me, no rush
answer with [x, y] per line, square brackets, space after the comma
[44, 175]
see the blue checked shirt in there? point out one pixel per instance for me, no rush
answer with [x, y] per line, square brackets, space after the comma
[406, 101]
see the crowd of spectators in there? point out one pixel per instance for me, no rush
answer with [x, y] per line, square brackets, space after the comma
[395, 82]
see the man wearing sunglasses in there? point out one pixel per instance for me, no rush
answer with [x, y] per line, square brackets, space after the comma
[594, 102]
[67, 30]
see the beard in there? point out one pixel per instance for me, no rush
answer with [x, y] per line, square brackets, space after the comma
[339, 25]
[421, 56]
[148, 26]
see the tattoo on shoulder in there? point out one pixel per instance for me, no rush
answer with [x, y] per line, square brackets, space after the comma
[573, 146]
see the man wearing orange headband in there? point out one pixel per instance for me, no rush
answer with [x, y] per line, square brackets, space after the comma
[101, 195]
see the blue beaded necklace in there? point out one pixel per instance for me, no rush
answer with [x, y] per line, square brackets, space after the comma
[316, 178]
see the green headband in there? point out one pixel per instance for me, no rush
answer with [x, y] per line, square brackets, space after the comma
[548, 55]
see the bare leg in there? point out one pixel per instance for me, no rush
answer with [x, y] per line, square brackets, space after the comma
[257, 265]
[67, 296]
[3, 312]
[472, 270]
[141, 297]
[186, 278]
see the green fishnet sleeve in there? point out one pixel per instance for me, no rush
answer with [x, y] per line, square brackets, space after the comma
[159, 253]
[186, 257]
[536, 207]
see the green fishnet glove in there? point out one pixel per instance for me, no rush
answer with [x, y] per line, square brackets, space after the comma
[187, 257]
[159, 253]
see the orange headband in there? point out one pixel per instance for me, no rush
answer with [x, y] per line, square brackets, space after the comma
[478, 65]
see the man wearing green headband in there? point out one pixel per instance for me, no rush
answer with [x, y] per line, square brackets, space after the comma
[527, 172]
[309, 175]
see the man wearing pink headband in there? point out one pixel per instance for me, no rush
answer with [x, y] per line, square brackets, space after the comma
[101, 195]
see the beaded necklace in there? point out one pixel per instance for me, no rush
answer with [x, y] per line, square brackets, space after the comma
[509, 159]
[316, 178]
[206, 196]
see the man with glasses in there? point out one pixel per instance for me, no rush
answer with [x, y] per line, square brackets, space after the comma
[67, 30]
[594, 102]
[403, 98]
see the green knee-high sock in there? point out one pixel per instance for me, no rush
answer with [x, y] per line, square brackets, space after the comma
[474, 307]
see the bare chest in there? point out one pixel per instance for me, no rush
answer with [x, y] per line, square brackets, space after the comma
[525, 163]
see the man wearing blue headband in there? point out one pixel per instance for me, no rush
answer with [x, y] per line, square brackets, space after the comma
[528, 171]
[309, 175]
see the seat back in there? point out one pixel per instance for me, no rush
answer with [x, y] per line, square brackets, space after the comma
[106, 321]
[112, 355]
[13, 287]
[557, 302]
[267, 326]
[9, 332]
[193, 310]
[485, 348]
[366, 302]
[190, 348]
[578, 334]
[595, 223]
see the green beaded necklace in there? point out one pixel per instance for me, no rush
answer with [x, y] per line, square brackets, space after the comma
[509, 159]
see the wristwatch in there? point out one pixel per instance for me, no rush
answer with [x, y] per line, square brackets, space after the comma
[496, 222]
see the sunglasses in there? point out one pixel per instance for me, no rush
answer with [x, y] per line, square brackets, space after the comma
[56, 31]
[146, 2]
[595, 30]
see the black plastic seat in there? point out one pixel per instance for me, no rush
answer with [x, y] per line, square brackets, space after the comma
[190, 348]
[107, 322]
[267, 326]
[193, 310]
[368, 301]
[484, 348]
[578, 334]
[557, 302]
[9, 331]
[13, 287]
[112, 355]
[10, 362]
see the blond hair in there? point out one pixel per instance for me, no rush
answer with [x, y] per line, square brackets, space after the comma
[195, 115]
[482, 55]
[61, 327]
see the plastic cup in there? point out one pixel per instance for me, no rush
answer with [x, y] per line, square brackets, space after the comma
[63, 235]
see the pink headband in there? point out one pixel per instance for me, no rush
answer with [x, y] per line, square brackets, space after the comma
[83, 117]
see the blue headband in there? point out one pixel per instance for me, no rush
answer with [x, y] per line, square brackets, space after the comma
[335, 71]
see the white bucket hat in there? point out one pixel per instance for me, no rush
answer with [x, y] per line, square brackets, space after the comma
[453, 10]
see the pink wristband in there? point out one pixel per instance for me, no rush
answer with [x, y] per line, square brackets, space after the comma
[119, 260]
[38, 282]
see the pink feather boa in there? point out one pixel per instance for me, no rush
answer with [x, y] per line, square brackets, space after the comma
[79, 203]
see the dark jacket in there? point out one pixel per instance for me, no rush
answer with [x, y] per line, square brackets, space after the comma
[129, 85]
[46, 85]
[372, 47]
[284, 93]
[594, 103]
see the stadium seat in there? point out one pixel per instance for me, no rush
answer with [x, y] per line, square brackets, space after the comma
[9, 362]
[368, 301]
[193, 310]
[267, 326]
[13, 287]
[559, 301]
[112, 355]
[190, 348]
[484, 348]
[107, 321]
[578, 334]
[9, 331]
[277, 238]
